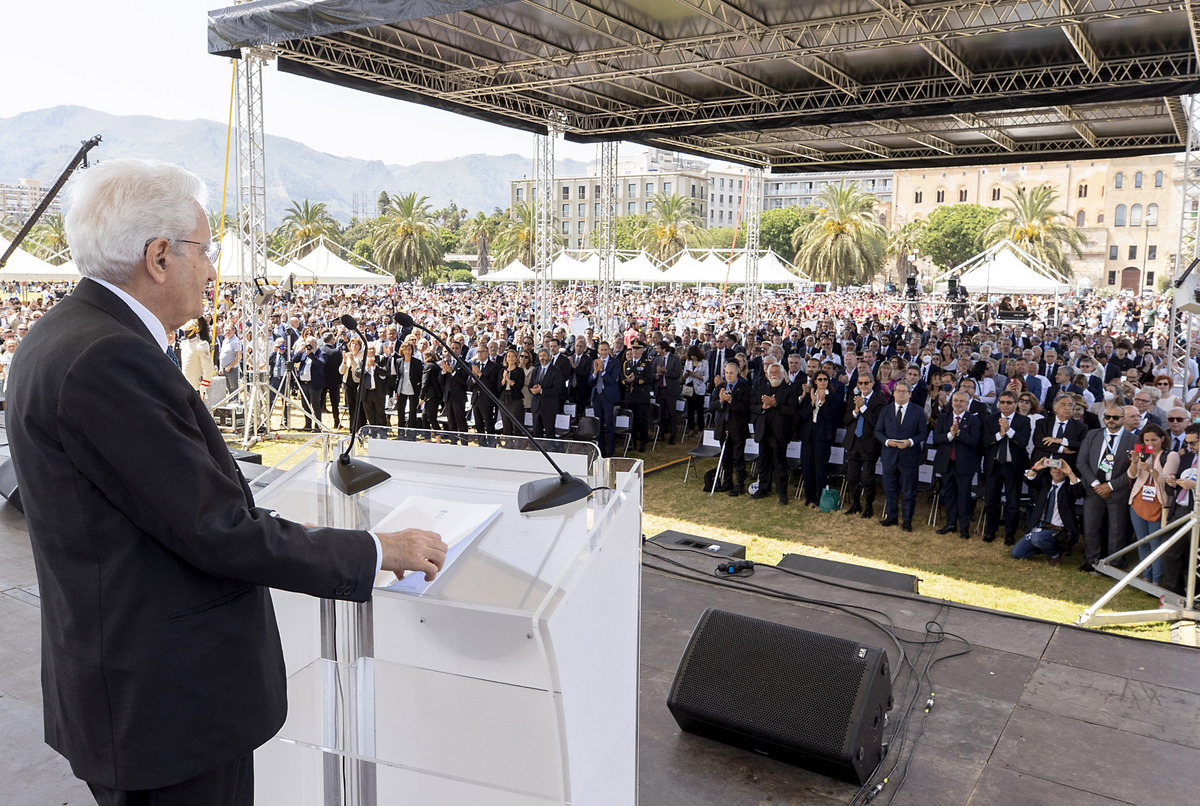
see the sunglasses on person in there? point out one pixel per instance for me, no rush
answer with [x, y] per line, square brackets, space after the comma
[1177, 419]
[1162, 383]
[1114, 417]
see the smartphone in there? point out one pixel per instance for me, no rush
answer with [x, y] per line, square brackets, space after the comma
[1050, 462]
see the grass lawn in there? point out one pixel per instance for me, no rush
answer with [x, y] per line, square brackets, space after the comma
[969, 571]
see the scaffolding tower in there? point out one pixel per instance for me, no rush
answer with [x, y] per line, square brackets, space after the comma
[752, 216]
[607, 322]
[543, 233]
[1186, 115]
[254, 288]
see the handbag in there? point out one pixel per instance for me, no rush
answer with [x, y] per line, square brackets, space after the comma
[829, 499]
[688, 390]
[1147, 510]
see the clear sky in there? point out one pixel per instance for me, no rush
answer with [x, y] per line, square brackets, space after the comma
[149, 57]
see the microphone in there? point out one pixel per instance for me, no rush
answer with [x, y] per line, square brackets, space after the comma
[354, 475]
[533, 495]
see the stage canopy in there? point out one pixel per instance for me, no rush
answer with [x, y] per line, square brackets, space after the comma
[322, 266]
[793, 86]
[515, 272]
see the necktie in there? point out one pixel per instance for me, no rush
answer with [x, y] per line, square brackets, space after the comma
[957, 418]
[171, 355]
[600, 378]
[1051, 501]
[1178, 440]
[1005, 454]
[858, 429]
[899, 415]
[1061, 427]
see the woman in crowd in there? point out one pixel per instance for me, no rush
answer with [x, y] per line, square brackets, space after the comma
[1028, 405]
[985, 386]
[196, 355]
[512, 397]
[351, 370]
[410, 372]
[695, 377]
[525, 362]
[1167, 399]
[820, 414]
[1149, 493]
[431, 391]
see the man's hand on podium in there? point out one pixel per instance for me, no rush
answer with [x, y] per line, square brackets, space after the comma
[413, 550]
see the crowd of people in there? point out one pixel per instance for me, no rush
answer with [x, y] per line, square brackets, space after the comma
[1027, 407]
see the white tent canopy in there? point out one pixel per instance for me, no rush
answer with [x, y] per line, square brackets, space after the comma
[23, 267]
[771, 269]
[231, 260]
[640, 268]
[1005, 268]
[515, 272]
[323, 267]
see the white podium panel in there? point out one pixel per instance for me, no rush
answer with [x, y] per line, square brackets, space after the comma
[512, 680]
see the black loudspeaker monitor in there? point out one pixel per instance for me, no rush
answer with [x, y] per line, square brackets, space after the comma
[802, 697]
[8, 485]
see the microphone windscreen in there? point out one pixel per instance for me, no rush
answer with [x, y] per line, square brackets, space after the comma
[403, 319]
[349, 322]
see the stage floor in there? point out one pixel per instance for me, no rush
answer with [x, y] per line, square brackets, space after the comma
[1037, 713]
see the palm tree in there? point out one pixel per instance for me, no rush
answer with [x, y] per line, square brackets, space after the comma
[903, 242]
[405, 238]
[672, 223]
[215, 224]
[1030, 223]
[844, 243]
[50, 235]
[479, 232]
[304, 225]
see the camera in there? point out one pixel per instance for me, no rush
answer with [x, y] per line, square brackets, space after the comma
[1053, 462]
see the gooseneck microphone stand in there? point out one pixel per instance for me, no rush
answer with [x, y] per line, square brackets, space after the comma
[348, 474]
[533, 495]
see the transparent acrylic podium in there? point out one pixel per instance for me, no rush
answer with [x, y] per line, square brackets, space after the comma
[512, 680]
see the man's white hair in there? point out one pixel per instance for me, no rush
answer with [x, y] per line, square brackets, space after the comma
[116, 206]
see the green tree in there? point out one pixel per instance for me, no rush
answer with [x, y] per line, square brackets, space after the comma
[50, 236]
[951, 233]
[405, 238]
[844, 244]
[625, 232]
[479, 232]
[304, 224]
[776, 227]
[1031, 222]
[515, 235]
[721, 238]
[671, 225]
[903, 242]
[215, 223]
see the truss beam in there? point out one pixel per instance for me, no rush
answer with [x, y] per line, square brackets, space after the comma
[1078, 125]
[752, 219]
[544, 236]
[608, 323]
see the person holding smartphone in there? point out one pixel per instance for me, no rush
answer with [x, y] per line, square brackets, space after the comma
[1150, 468]
[1054, 527]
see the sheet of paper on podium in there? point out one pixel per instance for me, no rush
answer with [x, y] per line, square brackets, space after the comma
[458, 523]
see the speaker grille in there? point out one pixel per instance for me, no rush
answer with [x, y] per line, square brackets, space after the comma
[750, 672]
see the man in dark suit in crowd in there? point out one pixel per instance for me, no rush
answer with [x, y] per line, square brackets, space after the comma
[1103, 462]
[374, 386]
[581, 386]
[730, 404]
[901, 429]
[605, 383]
[637, 374]
[331, 358]
[1183, 501]
[1054, 528]
[957, 434]
[861, 448]
[773, 407]
[667, 389]
[485, 371]
[1058, 436]
[547, 388]
[1005, 441]
[454, 390]
[310, 370]
[920, 389]
[718, 356]
[162, 668]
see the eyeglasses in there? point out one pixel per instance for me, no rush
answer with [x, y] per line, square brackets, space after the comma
[1191, 443]
[1141, 400]
[1177, 419]
[212, 250]
[819, 378]
[1114, 417]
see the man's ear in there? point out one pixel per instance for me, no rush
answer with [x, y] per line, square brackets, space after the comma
[158, 255]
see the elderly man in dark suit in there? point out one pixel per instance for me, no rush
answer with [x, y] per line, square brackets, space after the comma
[1005, 443]
[956, 435]
[773, 408]
[861, 409]
[547, 387]
[162, 664]
[667, 389]
[310, 370]
[901, 429]
[454, 390]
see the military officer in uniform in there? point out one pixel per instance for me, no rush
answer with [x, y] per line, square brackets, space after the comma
[636, 375]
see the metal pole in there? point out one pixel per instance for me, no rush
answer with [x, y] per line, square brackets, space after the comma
[607, 323]
[752, 219]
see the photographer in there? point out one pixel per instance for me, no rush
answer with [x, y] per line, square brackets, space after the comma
[1054, 526]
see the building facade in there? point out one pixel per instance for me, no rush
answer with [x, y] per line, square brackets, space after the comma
[18, 201]
[788, 190]
[1127, 209]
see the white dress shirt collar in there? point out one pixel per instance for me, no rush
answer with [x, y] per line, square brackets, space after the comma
[151, 321]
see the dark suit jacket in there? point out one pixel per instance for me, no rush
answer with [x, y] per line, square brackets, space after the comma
[332, 366]
[160, 654]
[1090, 454]
[875, 403]
[416, 373]
[779, 419]
[552, 388]
[1017, 444]
[829, 417]
[316, 371]
[489, 376]
[612, 381]
[1045, 427]
[732, 419]
[1069, 494]
[966, 444]
[914, 427]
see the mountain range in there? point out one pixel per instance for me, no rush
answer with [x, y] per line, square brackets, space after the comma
[38, 145]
